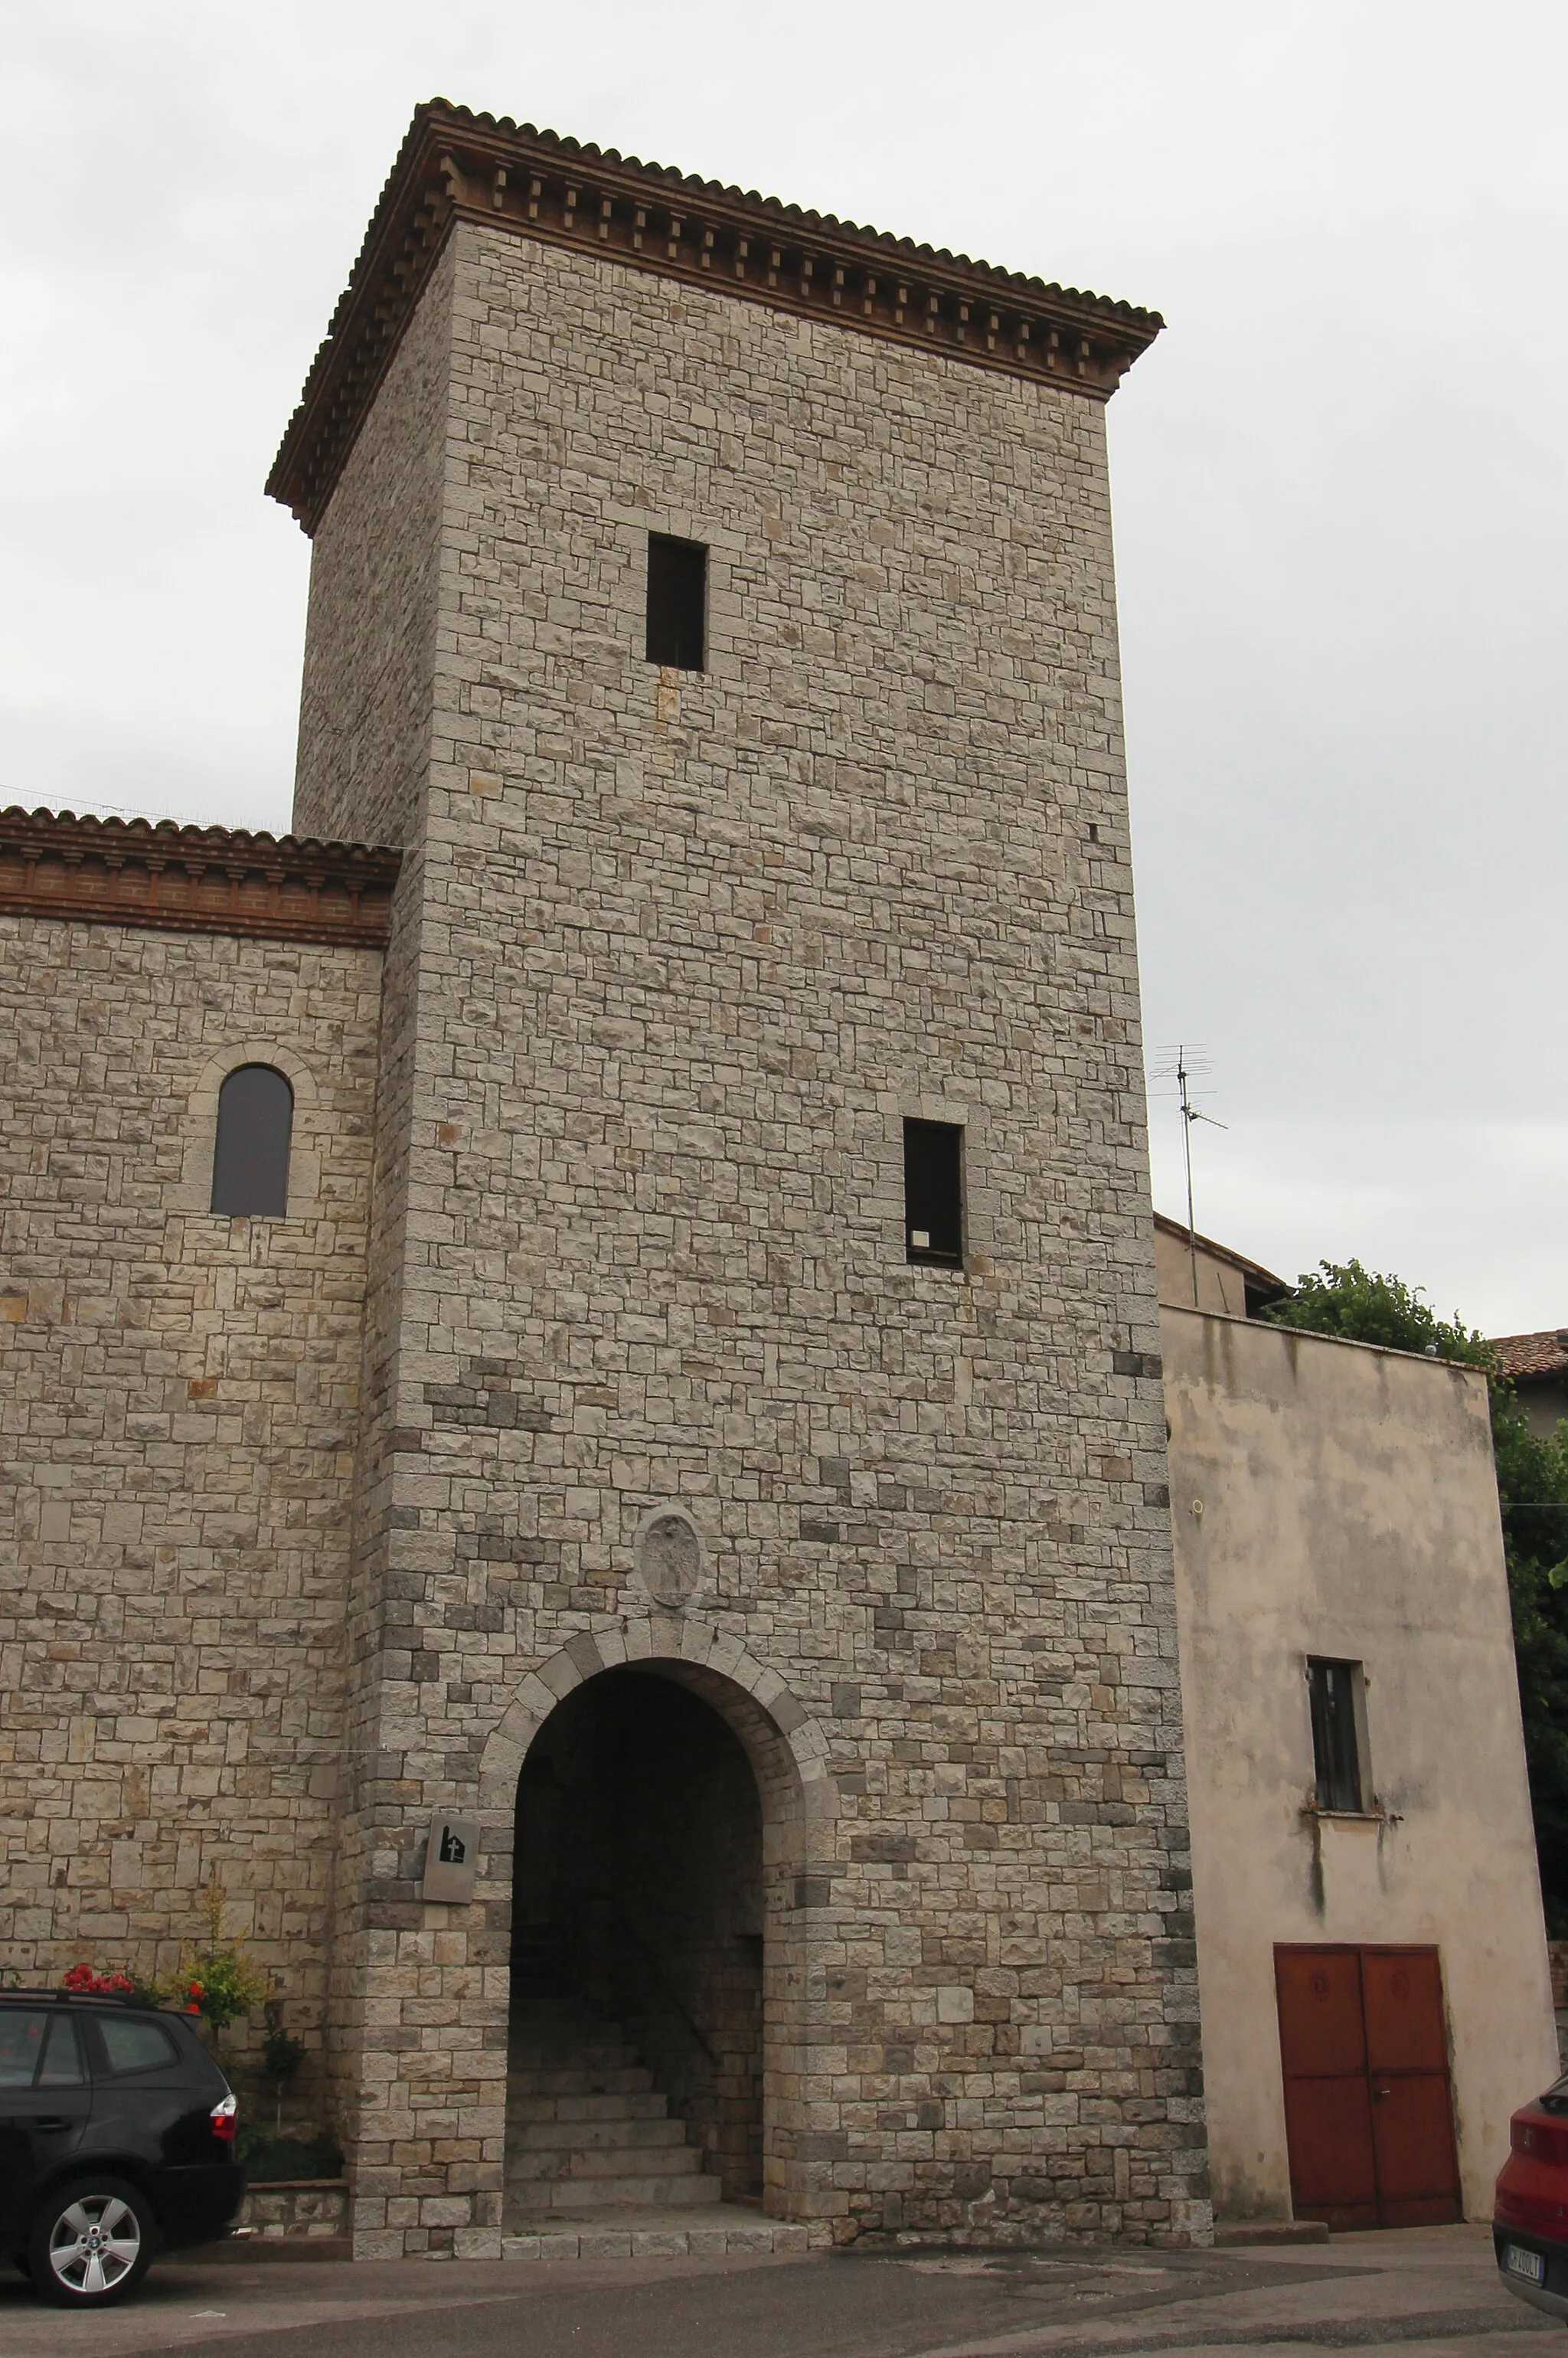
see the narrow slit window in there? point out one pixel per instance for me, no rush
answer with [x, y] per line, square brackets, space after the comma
[934, 1192]
[677, 602]
[250, 1156]
[1336, 1743]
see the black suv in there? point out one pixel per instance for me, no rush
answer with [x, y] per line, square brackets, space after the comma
[116, 2141]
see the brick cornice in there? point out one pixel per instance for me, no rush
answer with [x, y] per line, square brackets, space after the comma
[194, 880]
[456, 165]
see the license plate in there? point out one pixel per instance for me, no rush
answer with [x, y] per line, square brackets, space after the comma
[1520, 2263]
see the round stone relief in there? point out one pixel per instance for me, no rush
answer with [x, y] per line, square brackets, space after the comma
[669, 1556]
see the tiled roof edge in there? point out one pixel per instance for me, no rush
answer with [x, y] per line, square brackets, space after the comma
[454, 163]
[671, 176]
[1253, 1269]
[1521, 1356]
[214, 880]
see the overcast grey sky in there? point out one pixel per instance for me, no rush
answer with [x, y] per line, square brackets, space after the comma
[1338, 479]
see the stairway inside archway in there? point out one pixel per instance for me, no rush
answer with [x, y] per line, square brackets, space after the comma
[587, 2130]
[597, 2168]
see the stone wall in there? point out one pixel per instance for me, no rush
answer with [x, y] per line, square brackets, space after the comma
[178, 1396]
[374, 601]
[372, 637]
[302, 2210]
[689, 948]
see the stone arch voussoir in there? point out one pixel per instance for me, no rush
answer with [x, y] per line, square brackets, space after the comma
[721, 1671]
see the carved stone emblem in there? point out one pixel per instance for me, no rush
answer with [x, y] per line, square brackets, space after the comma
[669, 1557]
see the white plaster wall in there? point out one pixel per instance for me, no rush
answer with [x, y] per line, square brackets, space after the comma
[1349, 1507]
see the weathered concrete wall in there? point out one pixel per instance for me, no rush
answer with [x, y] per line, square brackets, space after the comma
[1348, 1509]
[690, 948]
[178, 1401]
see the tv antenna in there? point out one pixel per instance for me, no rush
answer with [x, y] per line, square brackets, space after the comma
[1191, 1065]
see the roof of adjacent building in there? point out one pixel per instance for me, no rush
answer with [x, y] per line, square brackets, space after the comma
[194, 880]
[1526, 1359]
[454, 164]
[1262, 1283]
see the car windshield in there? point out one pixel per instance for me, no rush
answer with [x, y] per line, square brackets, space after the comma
[1556, 2097]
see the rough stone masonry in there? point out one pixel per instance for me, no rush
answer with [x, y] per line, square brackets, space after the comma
[674, 955]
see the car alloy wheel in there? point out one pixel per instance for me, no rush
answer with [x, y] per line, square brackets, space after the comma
[92, 2243]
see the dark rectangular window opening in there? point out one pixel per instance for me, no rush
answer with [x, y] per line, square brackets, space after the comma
[1335, 1745]
[934, 1192]
[677, 602]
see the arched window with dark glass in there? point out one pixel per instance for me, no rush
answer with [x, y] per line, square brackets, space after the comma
[250, 1159]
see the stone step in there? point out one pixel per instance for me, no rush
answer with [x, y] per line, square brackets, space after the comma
[544, 2020]
[529, 2162]
[592, 2136]
[585, 2055]
[527, 2197]
[586, 2126]
[642, 2104]
[633, 2080]
[654, 2234]
[562, 2029]
[545, 2008]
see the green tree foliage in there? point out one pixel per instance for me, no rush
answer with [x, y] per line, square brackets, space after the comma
[218, 1977]
[1532, 1483]
[1365, 1306]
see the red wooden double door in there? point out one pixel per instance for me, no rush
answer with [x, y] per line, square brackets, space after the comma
[1369, 2114]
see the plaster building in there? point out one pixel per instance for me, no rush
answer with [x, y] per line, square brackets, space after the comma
[1193, 1273]
[1537, 1367]
[1376, 1997]
[582, 1399]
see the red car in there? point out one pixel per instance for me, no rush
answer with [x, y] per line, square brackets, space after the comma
[1529, 2221]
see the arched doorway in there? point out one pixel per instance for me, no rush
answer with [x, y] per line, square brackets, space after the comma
[639, 1967]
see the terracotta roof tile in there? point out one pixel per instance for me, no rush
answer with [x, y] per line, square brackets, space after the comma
[1522, 1356]
[203, 880]
[456, 165]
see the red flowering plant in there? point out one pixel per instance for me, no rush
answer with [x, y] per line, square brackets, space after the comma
[218, 1978]
[83, 1982]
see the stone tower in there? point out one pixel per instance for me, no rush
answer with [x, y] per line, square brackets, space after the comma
[776, 1579]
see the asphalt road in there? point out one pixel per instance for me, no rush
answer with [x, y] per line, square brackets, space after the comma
[1420, 2293]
